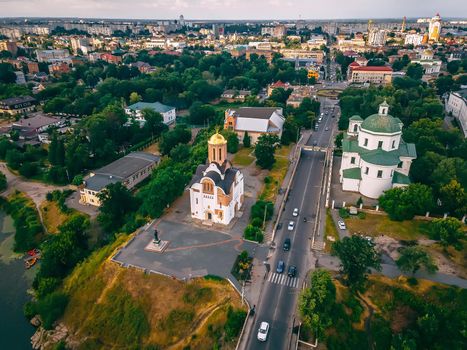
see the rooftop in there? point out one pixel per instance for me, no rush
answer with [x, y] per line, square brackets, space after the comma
[15, 100]
[383, 123]
[155, 106]
[126, 166]
[372, 69]
[255, 112]
[399, 178]
[380, 157]
[352, 173]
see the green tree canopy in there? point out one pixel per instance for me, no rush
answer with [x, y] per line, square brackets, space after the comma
[413, 258]
[264, 150]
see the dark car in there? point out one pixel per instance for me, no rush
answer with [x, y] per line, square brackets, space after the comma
[280, 266]
[279, 225]
[292, 271]
[286, 245]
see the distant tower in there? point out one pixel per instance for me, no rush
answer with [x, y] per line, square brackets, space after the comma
[181, 20]
[435, 28]
[370, 25]
[403, 24]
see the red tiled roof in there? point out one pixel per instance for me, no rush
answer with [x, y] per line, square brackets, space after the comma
[373, 69]
[279, 84]
[354, 64]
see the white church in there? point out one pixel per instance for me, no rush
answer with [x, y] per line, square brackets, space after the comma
[216, 191]
[375, 157]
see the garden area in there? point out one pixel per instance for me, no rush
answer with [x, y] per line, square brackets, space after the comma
[244, 157]
[241, 269]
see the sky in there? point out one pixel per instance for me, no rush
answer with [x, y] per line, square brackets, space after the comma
[233, 9]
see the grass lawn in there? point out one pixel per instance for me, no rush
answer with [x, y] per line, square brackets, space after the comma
[52, 216]
[243, 158]
[277, 174]
[375, 225]
[330, 230]
[118, 307]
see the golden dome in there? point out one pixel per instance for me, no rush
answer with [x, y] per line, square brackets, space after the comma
[217, 139]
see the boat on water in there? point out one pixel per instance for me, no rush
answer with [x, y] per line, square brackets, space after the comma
[30, 263]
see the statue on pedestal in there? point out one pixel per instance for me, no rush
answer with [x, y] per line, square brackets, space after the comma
[156, 237]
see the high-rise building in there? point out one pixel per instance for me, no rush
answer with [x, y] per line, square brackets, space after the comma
[435, 28]
[377, 37]
[403, 24]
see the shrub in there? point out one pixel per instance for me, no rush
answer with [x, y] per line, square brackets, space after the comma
[253, 233]
[262, 207]
[51, 308]
[257, 222]
[344, 213]
[234, 324]
[361, 215]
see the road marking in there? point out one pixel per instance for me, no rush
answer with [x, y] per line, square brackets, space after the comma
[282, 279]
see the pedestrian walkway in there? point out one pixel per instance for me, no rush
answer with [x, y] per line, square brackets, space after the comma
[318, 245]
[279, 278]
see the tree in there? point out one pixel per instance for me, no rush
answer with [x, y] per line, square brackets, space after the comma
[135, 97]
[415, 71]
[339, 139]
[264, 150]
[246, 140]
[201, 113]
[180, 153]
[316, 302]
[56, 151]
[413, 258]
[262, 210]
[253, 233]
[116, 203]
[405, 203]
[232, 142]
[453, 66]
[357, 256]
[290, 133]
[7, 74]
[454, 198]
[169, 139]
[3, 182]
[448, 231]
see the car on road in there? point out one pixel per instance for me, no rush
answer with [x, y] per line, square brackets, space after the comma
[286, 245]
[291, 226]
[279, 225]
[295, 212]
[263, 331]
[280, 266]
[341, 225]
[292, 271]
[327, 129]
[315, 143]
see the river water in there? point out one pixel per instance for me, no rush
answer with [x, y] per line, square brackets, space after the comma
[15, 330]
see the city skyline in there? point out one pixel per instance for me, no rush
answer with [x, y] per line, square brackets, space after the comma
[231, 10]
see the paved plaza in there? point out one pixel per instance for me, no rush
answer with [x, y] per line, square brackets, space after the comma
[191, 252]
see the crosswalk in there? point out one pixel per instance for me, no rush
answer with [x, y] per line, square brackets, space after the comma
[282, 278]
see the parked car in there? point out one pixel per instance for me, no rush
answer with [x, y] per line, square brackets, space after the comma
[295, 212]
[292, 271]
[326, 129]
[280, 266]
[279, 225]
[341, 225]
[263, 331]
[291, 226]
[286, 245]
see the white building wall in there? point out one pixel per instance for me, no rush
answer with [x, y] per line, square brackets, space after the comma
[350, 185]
[252, 124]
[371, 186]
[373, 140]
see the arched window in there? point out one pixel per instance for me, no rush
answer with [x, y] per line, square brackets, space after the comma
[355, 128]
[213, 154]
[220, 154]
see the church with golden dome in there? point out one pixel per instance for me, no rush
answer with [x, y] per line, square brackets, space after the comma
[217, 189]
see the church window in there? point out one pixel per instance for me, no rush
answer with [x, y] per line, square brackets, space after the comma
[355, 128]
[365, 143]
[380, 174]
[400, 165]
[352, 160]
[393, 143]
[220, 154]
[196, 201]
[367, 170]
[380, 144]
[213, 154]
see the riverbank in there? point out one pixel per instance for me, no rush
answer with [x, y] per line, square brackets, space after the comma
[15, 330]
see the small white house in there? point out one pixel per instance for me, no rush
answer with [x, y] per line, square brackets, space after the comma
[375, 158]
[136, 111]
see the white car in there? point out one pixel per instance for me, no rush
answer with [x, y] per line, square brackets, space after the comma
[291, 226]
[263, 331]
[295, 212]
[341, 225]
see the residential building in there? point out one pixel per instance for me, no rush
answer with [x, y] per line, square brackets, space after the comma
[430, 65]
[58, 68]
[235, 95]
[136, 111]
[129, 170]
[52, 55]
[434, 28]
[30, 128]
[316, 56]
[278, 84]
[9, 46]
[379, 75]
[377, 37]
[414, 39]
[456, 105]
[375, 158]
[255, 120]
[33, 67]
[276, 32]
[316, 41]
[18, 105]
[20, 78]
[217, 189]
[267, 54]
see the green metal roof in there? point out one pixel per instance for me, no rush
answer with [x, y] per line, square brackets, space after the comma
[381, 123]
[380, 157]
[156, 106]
[355, 117]
[399, 178]
[352, 173]
[407, 149]
[351, 145]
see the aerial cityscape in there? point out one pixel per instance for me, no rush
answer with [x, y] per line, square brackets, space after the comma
[239, 175]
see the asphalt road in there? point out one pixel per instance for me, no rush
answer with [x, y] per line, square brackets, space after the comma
[280, 293]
